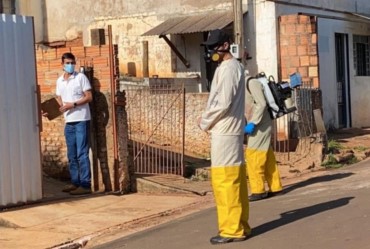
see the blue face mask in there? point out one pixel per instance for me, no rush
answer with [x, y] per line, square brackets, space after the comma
[69, 68]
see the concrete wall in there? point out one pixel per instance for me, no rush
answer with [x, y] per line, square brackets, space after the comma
[359, 85]
[36, 9]
[358, 6]
[129, 21]
[261, 29]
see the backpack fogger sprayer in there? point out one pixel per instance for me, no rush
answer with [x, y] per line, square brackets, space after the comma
[278, 95]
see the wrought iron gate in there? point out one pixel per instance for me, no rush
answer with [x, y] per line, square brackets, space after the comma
[156, 120]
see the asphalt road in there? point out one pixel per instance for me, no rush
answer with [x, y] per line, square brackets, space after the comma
[330, 211]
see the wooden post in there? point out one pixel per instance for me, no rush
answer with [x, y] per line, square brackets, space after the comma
[238, 28]
[145, 59]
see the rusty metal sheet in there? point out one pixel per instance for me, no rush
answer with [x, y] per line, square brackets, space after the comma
[192, 24]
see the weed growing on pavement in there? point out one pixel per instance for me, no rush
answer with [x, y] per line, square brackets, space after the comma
[334, 146]
[331, 162]
[360, 148]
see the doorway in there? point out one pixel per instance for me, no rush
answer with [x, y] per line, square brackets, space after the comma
[342, 80]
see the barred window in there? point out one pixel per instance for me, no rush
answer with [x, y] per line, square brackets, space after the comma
[361, 55]
[7, 6]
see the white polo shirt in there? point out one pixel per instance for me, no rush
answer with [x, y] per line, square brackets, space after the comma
[72, 90]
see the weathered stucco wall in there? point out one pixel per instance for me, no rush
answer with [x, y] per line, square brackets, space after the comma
[33, 8]
[129, 21]
[359, 87]
[358, 6]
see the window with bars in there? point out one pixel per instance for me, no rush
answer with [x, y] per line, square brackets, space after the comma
[7, 6]
[361, 55]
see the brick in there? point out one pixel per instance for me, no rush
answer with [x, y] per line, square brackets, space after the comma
[303, 71]
[294, 61]
[61, 51]
[303, 40]
[302, 50]
[313, 38]
[293, 40]
[86, 62]
[312, 50]
[49, 54]
[292, 70]
[301, 28]
[292, 51]
[283, 42]
[313, 60]
[42, 65]
[304, 61]
[55, 65]
[92, 51]
[290, 29]
[312, 28]
[292, 19]
[104, 50]
[284, 72]
[79, 52]
[45, 89]
[101, 62]
[316, 82]
[283, 19]
[282, 29]
[313, 72]
[303, 19]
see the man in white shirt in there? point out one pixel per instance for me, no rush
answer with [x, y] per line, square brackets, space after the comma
[74, 94]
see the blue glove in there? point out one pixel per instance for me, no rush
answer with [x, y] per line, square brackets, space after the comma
[249, 128]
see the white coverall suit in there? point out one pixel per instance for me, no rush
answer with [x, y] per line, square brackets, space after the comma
[261, 162]
[224, 118]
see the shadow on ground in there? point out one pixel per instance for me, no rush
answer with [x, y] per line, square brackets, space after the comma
[318, 179]
[297, 214]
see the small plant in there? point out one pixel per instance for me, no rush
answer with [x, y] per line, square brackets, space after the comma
[360, 148]
[353, 160]
[334, 146]
[330, 162]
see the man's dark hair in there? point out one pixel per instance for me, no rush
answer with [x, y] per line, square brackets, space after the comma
[68, 56]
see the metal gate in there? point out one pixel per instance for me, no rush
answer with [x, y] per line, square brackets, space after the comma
[293, 134]
[156, 120]
[20, 167]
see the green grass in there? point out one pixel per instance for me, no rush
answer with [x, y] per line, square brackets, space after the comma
[360, 148]
[334, 145]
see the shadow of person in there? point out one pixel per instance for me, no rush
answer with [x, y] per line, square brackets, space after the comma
[297, 214]
[325, 178]
[100, 117]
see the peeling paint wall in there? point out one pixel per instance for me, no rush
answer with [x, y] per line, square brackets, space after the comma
[129, 19]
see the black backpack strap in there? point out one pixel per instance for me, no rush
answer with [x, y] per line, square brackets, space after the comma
[247, 85]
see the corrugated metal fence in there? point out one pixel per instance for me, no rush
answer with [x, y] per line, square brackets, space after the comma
[20, 166]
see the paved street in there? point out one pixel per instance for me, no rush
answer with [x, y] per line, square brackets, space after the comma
[329, 211]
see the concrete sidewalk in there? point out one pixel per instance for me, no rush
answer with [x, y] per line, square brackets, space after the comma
[78, 220]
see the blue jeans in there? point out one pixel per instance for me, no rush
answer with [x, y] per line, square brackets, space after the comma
[77, 139]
